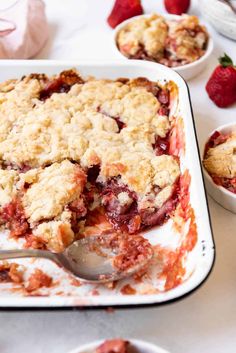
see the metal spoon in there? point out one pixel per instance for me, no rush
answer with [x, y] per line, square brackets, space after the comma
[81, 260]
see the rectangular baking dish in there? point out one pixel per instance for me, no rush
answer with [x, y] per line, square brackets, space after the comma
[199, 261]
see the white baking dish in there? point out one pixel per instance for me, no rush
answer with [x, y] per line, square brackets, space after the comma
[199, 261]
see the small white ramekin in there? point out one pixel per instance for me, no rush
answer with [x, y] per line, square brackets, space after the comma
[140, 346]
[187, 71]
[225, 198]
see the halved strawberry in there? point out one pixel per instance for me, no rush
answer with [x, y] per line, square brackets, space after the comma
[124, 9]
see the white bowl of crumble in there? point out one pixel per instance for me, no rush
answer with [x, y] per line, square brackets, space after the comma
[119, 346]
[179, 42]
[219, 161]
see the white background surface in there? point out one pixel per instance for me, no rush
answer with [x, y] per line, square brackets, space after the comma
[205, 321]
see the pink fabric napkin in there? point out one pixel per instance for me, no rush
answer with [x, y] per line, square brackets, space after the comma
[23, 29]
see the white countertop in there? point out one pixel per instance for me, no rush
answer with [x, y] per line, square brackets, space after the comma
[201, 323]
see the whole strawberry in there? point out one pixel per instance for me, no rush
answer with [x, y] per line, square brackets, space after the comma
[221, 86]
[177, 7]
[124, 9]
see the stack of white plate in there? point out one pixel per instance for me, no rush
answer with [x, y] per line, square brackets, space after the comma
[220, 16]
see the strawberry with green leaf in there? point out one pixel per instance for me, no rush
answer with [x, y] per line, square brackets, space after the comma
[221, 86]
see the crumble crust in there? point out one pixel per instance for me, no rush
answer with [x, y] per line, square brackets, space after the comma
[50, 189]
[62, 126]
[59, 128]
[50, 197]
[187, 39]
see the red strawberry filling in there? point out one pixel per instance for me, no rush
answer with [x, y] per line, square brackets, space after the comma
[124, 214]
[79, 211]
[120, 123]
[13, 216]
[10, 272]
[157, 216]
[62, 84]
[229, 184]
[161, 145]
[164, 97]
[129, 250]
[141, 54]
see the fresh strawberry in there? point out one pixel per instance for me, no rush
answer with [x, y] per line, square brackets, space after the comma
[124, 9]
[221, 86]
[177, 7]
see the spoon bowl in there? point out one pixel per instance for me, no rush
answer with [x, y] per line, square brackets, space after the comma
[90, 259]
[80, 259]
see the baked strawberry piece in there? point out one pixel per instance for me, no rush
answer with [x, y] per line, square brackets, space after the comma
[221, 86]
[177, 7]
[124, 9]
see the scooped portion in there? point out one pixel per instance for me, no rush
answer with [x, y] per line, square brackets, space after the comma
[44, 204]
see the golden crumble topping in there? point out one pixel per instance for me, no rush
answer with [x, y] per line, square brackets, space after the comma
[50, 189]
[69, 144]
[149, 32]
[63, 125]
[8, 190]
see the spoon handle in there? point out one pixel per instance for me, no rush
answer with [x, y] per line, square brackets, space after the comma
[19, 253]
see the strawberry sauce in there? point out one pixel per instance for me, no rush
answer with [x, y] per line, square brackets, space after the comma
[13, 216]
